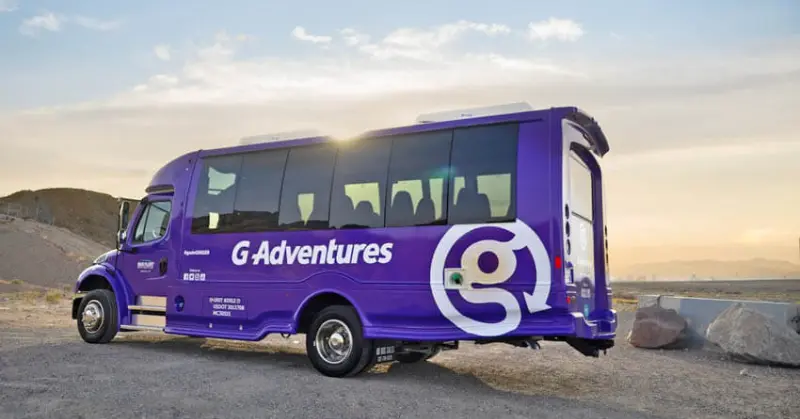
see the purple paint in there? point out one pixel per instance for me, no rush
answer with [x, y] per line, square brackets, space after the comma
[247, 284]
[488, 262]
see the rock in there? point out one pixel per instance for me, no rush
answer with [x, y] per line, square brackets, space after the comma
[658, 328]
[747, 335]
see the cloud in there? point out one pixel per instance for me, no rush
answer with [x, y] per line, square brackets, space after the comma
[554, 28]
[353, 37]
[95, 24]
[8, 6]
[44, 22]
[51, 22]
[300, 33]
[422, 44]
[162, 51]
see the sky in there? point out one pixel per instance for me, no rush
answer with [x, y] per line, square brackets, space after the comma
[698, 99]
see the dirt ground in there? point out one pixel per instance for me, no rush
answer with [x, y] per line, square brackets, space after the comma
[678, 384]
[786, 290]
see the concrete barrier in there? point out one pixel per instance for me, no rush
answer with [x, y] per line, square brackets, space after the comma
[700, 312]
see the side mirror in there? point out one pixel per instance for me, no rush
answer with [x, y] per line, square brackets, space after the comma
[122, 222]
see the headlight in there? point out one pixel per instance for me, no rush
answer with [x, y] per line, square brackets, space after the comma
[100, 259]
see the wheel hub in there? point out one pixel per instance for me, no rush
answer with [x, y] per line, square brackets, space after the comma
[334, 341]
[92, 316]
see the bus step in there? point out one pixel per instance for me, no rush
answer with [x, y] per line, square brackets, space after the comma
[151, 302]
[155, 309]
[149, 320]
[141, 328]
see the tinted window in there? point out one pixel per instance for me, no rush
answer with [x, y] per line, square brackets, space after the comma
[305, 200]
[580, 179]
[153, 223]
[418, 179]
[484, 165]
[258, 191]
[216, 192]
[359, 184]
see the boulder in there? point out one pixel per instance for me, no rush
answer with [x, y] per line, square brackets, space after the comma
[747, 335]
[658, 328]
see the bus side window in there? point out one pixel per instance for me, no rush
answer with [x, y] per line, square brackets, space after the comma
[417, 174]
[483, 166]
[359, 183]
[258, 191]
[216, 191]
[153, 223]
[307, 188]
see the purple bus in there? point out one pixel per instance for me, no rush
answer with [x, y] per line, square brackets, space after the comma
[485, 225]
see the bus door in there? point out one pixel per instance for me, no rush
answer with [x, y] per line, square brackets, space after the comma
[583, 235]
[144, 257]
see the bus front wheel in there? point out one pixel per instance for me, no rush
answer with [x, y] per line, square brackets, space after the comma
[335, 343]
[97, 316]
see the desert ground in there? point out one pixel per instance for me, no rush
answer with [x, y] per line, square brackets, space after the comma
[785, 290]
[47, 371]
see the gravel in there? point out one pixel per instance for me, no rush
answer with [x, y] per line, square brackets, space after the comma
[182, 378]
[49, 372]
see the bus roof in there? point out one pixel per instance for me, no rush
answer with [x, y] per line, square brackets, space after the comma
[470, 117]
[515, 112]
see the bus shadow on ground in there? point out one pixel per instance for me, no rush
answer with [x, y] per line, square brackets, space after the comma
[286, 356]
[408, 377]
[275, 355]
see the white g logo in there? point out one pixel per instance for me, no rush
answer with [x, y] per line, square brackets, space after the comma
[524, 237]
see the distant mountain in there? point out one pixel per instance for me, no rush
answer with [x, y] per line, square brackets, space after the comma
[706, 269]
[88, 213]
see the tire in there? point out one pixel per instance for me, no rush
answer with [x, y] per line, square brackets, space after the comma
[344, 322]
[105, 303]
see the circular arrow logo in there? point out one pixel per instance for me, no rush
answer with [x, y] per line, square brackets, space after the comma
[486, 263]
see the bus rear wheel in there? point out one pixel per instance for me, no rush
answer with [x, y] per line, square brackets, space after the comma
[335, 343]
[97, 316]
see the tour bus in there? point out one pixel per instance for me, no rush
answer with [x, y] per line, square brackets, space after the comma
[484, 225]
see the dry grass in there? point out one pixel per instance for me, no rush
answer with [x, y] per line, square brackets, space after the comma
[16, 282]
[32, 297]
[36, 309]
[54, 296]
[27, 297]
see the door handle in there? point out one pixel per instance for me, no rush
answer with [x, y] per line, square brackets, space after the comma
[162, 266]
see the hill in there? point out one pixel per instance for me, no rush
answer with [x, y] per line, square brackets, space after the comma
[41, 255]
[88, 213]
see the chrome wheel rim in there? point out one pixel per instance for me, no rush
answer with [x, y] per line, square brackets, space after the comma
[334, 341]
[93, 316]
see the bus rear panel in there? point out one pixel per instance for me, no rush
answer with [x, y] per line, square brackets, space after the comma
[387, 248]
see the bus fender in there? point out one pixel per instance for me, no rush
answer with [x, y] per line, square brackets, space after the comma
[88, 280]
[323, 298]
